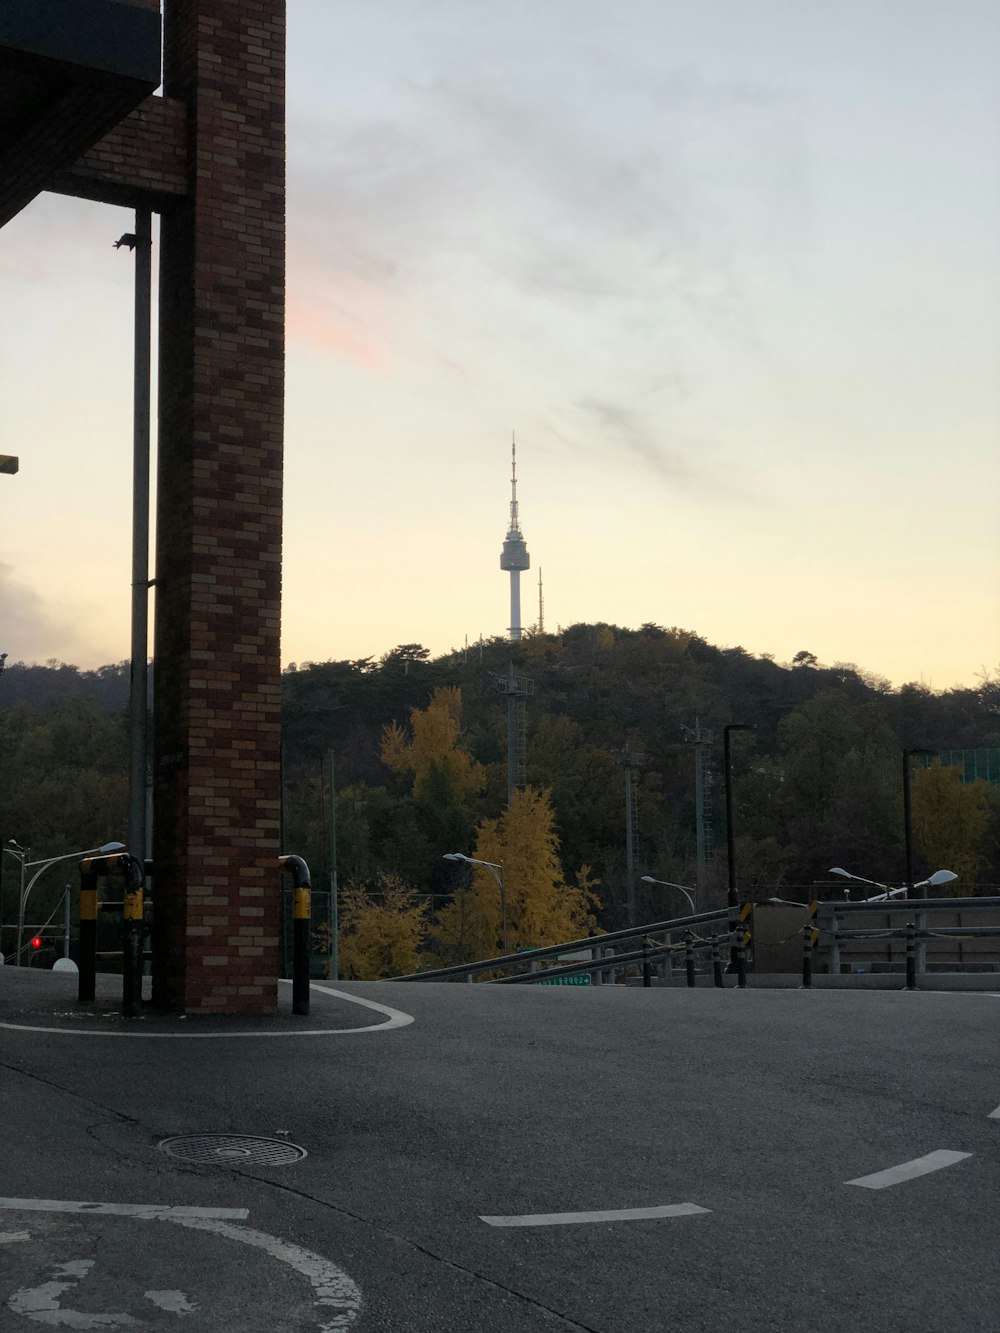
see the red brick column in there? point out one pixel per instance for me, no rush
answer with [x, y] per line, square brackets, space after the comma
[218, 556]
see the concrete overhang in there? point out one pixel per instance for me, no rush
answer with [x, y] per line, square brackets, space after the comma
[70, 70]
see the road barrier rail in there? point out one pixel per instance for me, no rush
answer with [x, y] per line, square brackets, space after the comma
[903, 920]
[525, 965]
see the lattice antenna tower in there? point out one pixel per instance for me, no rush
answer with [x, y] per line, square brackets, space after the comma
[701, 739]
[514, 556]
[517, 689]
[541, 604]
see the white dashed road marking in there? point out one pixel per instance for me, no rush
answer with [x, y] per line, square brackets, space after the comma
[605, 1215]
[994, 1115]
[920, 1166]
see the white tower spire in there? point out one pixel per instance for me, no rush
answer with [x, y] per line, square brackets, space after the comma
[514, 556]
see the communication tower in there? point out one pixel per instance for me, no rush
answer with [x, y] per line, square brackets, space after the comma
[514, 556]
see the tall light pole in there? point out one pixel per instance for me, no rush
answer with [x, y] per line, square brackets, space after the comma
[732, 897]
[908, 816]
[496, 870]
[42, 867]
[668, 884]
[141, 242]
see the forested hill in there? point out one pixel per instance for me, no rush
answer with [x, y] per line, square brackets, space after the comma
[817, 779]
[46, 687]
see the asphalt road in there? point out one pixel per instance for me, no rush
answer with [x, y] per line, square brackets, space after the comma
[757, 1108]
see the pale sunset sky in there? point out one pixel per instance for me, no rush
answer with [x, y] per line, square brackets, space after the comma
[730, 270]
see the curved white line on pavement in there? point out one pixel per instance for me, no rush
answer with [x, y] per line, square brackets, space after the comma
[603, 1215]
[920, 1166]
[337, 1295]
[395, 1018]
[334, 1289]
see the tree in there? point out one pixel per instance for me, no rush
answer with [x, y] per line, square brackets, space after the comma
[950, 822]
[432, 751]
[381, 929]
[541, 907]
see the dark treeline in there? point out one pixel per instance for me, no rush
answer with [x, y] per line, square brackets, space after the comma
[817, 781]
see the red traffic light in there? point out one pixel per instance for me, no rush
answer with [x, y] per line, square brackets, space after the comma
[37, 941]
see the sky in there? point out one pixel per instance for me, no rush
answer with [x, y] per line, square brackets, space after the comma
[731, 271]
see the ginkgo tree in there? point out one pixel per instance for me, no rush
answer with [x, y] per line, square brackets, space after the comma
[381, 929]
[541, 907]
[431, 749]
[951, 821]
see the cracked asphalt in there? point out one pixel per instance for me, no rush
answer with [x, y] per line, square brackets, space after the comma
[506, 1101]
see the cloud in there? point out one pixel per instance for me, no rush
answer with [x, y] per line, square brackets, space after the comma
[30, 630]
[568, 237]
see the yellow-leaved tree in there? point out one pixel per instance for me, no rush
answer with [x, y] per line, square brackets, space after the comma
[431, 750]
[541, 908]
[950, 823]
[381, 929]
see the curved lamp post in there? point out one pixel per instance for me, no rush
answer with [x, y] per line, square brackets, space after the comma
[669, 884]
[496, 870]
[42, 867]
[933, 881]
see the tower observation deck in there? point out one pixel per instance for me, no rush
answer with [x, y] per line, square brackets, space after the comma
[514, 556]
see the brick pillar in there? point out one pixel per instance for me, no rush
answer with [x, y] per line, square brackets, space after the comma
[218, 548]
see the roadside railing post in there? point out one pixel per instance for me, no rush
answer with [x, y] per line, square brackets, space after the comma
[921, 955]
[741, 959]
[301, 929]
[911, 956]
[717, 963]
[595, 956]
[647, 970]
[689, 957]
[834, 964]
[807, 953]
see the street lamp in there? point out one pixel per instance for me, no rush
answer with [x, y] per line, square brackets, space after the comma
[496, 870]
[933, 881]
[26, 865]
[668, 884]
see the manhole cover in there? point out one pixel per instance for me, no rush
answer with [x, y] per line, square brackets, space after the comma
[232, 1150]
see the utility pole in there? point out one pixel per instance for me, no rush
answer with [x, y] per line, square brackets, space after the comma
[141, 242]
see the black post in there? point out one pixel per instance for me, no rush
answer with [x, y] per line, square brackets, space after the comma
[741, 960]
[647, 971]
[132, 933]
[88, 932]
[301, 929]
[807, 949]
[716, 962]
[911, 956]
[689, 957]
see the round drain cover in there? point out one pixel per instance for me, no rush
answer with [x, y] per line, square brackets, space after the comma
[232, 1149]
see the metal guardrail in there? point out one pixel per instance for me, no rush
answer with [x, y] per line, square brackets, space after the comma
[527, 961]
[823, 929]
